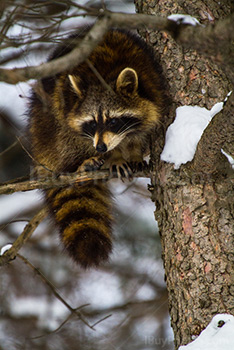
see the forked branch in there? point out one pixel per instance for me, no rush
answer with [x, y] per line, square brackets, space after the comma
[11, 253]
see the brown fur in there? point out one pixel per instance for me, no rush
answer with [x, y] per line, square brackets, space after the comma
[77, 98]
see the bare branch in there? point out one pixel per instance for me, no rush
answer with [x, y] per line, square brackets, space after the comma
[11, 253]
[213, 41]
[4, 224]
[54, 291]
[55, 330]
[9, 148]
[98, 75]
[160, 301]
[60, 181]
[102, 319]
[108, 19]
[84, 49]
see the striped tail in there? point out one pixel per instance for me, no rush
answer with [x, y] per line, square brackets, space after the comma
[83, 216]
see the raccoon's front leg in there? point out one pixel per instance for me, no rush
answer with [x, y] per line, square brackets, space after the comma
[135, 157]
[91, 164]
[138, 165]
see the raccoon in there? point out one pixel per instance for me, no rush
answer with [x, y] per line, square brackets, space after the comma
[77, 123]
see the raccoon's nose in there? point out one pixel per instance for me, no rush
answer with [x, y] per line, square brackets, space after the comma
[101, 147]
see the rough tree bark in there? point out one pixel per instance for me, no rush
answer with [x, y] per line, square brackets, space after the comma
[194, 205]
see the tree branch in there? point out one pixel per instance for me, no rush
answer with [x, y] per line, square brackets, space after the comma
[61, 181]
[46, 183]
[86, 46]
[11, 253]
[188, 36]
[54, 291]
[214, 40]
[159, 302]
[208, 157]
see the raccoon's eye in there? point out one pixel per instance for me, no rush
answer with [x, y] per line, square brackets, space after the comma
[113, 121]
[89, 128]
[114, 124]
[93, 124]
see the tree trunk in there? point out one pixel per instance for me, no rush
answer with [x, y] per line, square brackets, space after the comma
[194, 205]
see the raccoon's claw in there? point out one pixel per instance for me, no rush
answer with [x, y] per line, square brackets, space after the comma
[138, 166]
[122, 171]
[91, 164]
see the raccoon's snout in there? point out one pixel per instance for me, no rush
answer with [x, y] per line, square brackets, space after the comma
[101, 147]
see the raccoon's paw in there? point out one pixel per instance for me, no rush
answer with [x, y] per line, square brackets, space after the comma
[138, 166]
[121, 170]
[91, 164]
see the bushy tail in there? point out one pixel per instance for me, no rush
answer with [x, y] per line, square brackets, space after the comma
[83, 216]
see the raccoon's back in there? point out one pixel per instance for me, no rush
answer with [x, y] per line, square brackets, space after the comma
[83, 217]
[118, 49]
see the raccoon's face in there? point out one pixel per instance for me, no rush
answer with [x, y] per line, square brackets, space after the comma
[107, 130]
[108, 117]
[105, 117]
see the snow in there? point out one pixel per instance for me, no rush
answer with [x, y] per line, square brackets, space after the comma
[218, 335]
[230, 92]
[132, 202]
[184, 19]
[100, 290]
[229, 158]
[184, 133]
[49, 312]
[5, 248]
[16, 204]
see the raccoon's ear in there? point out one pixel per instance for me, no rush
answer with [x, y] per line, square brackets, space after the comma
[74, 83]
[127, 82]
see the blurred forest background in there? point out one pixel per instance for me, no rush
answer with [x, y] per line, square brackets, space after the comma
[128, 294]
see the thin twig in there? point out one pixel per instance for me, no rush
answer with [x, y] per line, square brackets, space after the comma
[55, 330]
[102, 319]
[54, 291]
[30, 156]
[61, 325]
[98, 75]
[9, 148]
[4, 224]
